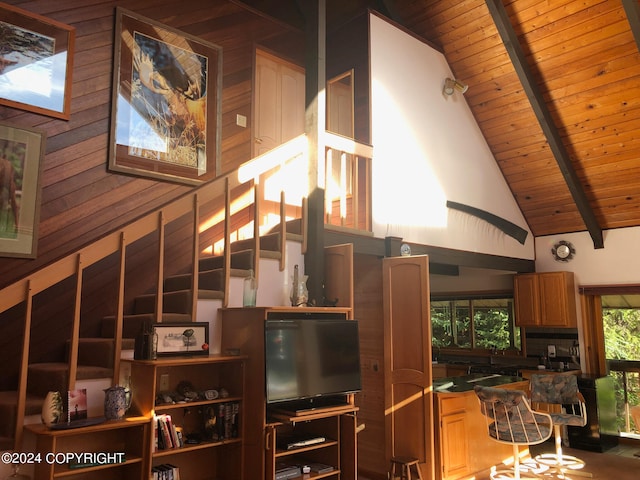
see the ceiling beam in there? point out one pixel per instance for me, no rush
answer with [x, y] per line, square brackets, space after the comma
[632, 9]
[511, 43]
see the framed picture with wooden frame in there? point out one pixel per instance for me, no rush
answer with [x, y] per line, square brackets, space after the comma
[176, 339]
[36, 62]
[165, 116]
[21, 159]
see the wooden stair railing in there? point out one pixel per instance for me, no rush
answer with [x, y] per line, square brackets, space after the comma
[116, 242]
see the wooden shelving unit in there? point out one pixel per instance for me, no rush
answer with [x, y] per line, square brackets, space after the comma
[128, 439]
[336, 425]
[208, 457]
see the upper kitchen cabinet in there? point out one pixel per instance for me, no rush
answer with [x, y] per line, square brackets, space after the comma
[545, 299]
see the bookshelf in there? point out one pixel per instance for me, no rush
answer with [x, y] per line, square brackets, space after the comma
[194, 406]
[125, 441]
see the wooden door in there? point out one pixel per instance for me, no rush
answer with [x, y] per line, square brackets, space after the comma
[279, 102]
[338, 273]
[407, 356]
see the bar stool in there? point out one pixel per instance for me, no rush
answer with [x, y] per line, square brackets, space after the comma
[560, 390]
[405, 464]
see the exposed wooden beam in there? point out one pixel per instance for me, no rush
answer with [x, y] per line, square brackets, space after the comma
[502, 224]
[511, 43]
[632, 9]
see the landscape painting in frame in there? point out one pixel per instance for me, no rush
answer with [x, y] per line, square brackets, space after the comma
[21, 154]
[177, 339]
[166, 102]
[36, 60]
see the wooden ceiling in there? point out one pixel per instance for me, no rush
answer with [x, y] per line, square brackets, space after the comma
[554, 87]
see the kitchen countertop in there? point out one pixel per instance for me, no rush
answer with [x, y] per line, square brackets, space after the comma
[466, 383]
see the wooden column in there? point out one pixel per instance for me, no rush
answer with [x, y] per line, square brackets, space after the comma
[315, 106]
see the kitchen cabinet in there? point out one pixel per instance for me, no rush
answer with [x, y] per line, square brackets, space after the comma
[545, 300]
[463, 443]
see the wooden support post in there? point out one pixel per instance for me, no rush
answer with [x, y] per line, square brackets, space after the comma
[160, 286]
[75, 334]
[315, 78]
[227, 241]
[24, 367]
[195, 287]
[119, 311]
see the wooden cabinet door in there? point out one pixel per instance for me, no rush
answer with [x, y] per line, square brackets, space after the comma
[545, 299]
[527, 300]
[338, 274]
[348, 447]
[407, 356]
[557, 299]
[454, 447]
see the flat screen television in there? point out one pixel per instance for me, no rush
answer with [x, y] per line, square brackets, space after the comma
[311, 362]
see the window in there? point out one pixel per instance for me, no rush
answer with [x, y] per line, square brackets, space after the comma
[474, 322]
[621, 323]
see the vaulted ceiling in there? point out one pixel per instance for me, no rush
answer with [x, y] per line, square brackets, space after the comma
[553, 85]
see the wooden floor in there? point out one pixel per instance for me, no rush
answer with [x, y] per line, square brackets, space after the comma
[619, 463]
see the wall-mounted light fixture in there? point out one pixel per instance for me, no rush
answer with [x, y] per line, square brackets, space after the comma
[451, 85]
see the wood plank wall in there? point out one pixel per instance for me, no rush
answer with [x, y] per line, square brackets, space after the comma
[81, 200]
[368, 310]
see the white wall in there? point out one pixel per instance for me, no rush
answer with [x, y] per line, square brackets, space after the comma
[427, 150]
[617, 263]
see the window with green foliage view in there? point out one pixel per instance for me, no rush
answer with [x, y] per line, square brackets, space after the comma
[483, 323]
[622, 342]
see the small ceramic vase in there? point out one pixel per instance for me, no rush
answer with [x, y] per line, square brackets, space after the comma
[52, 409]
[116, 402]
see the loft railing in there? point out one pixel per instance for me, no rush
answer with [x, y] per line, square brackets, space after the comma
[627, 378]
[275, 191]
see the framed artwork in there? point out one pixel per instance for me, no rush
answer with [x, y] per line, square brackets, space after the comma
[175, 339]
[21, 159]
[36, 61]
[165, 116]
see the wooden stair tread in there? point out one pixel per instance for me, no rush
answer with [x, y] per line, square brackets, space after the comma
[33, 404]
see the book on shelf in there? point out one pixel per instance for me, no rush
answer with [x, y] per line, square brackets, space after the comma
[165, 471]
[221, 421]
[166, 434]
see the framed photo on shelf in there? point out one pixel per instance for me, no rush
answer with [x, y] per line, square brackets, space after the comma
[21, 159]
[165, 121]
[177, 339]
[36, 62]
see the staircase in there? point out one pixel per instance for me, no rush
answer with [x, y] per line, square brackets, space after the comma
[211, 277]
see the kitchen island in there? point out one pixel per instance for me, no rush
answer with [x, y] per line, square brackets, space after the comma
[463, 445]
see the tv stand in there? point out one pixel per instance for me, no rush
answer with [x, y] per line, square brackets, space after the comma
[243, 330]
[312, 405]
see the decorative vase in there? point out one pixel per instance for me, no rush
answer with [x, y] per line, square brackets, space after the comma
[16, 475]
[249, 291]
[299, 293]
[52, 408]
[117, 400]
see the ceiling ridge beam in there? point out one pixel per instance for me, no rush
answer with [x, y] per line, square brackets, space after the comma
[632, 10]
[514, 49]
